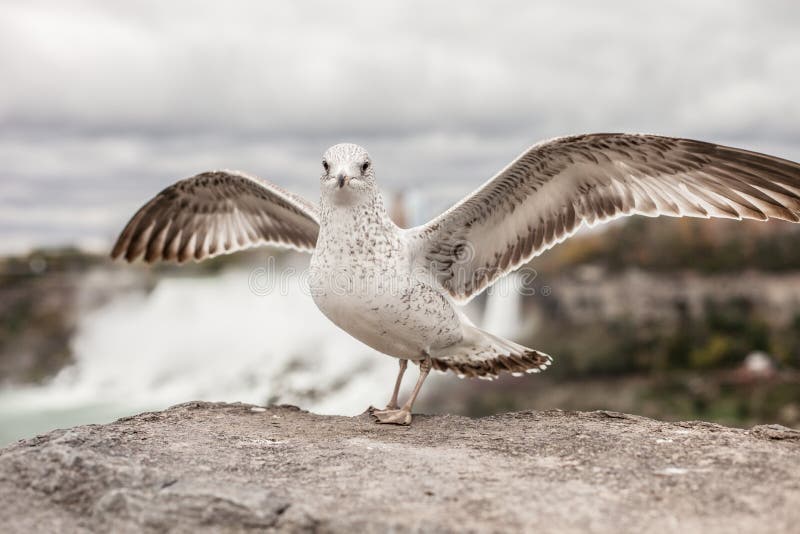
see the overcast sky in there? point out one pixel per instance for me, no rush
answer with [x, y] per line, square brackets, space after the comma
[103, 103]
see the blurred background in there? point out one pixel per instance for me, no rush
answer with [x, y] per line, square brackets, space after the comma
[104, 103]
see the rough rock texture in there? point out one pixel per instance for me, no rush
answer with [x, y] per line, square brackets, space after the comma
[234, 467]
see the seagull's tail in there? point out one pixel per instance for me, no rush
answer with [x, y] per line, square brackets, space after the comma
[484, 355]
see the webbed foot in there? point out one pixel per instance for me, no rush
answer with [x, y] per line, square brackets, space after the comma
[392, 416]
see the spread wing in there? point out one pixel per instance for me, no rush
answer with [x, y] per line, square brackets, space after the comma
[546, 194]
[217, 213]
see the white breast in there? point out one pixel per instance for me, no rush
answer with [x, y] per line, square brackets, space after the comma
[363, 283]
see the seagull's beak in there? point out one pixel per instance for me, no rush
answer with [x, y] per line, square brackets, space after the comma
[341, 179]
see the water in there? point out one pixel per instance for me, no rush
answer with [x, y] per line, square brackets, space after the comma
[502, 313]
[201, 338]
[213, 339]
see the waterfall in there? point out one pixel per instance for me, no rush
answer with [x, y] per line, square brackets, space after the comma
[206, 338]
[214, 338]
[501, 316]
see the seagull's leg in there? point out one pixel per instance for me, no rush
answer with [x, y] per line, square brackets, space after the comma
[392, 406]
[403, 415]
[393, 402]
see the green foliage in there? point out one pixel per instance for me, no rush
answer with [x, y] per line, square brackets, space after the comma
[713, 354]
[719, 339]
[664, 245]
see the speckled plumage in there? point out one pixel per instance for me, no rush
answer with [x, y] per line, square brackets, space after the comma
[364, 279]
[361, 279]
[397, 289]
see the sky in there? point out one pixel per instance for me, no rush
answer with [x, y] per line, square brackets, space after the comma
[104, 103]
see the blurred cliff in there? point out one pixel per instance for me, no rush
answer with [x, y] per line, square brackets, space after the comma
[672, 318]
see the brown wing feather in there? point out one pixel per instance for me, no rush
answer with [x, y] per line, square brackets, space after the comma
[547, 193]
[217, 213]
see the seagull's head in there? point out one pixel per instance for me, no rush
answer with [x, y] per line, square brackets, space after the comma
[347, 175]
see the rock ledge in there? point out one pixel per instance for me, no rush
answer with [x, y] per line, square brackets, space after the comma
[235, 467]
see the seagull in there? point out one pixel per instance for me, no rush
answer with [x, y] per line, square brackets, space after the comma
[399, 290]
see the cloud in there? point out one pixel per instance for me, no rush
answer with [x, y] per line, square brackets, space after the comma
[116, 99]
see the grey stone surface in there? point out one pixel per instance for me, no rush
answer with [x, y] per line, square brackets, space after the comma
[234, 468]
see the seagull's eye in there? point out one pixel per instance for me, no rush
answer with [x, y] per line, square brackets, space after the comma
[325, 165]
[364, 166]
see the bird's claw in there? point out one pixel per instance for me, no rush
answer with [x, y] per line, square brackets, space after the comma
[392, 416]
